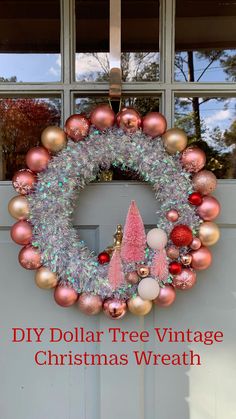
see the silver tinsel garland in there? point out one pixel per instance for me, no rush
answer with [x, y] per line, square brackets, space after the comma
[53, 202]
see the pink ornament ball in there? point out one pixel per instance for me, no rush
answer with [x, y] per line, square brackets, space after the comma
[21, 233]
[29, 257]
[166, 296]
[90, 304]
[77, 127]
[201, 258]
[129, 120]
[204, 182]
[172, 215]
[102, 117]
[185, 280]
[209, 208]
[196, 243]
[193, 159]
[37, 159]
[64, 296]
[154, 124]
[24, 181]
[114, 309]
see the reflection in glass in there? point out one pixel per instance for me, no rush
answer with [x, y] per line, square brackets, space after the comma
[139, 36]
[205, 41]
[22, 121]
[30, 41]
[211, 123]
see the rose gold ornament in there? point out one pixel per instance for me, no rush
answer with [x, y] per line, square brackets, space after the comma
[201, 258]
[129, 120]
[24, 181]
[37, 159]
[154, 124]
[193, 159]
[45, 279]
[185, 280]
[209, 233]
[166, 296]
[65, 296]
[18, 207]
[53, 139]
[114, 308]
[29, 257]
[209, 208]
[21, 233]
[204, 182]
[174, 140]
[138, 306]
[172, 252]
[77, 127]
[102, 117]
[90, 304]
[172, 215]
[186, 259]
[143, 271]
[132, 277]
[196, 243]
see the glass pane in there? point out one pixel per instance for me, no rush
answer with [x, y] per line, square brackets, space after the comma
[143, 104]
[21, 122]
[205, 41]
[140, 40]
[210, 122]
[30, 41]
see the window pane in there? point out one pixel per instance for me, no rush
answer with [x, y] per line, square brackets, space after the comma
[21, 124]
[211, 123]
[30, 41]
[205, 41]
[143, 104]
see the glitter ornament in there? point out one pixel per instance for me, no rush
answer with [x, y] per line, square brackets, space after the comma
[77, 127]
[154, 124]
[185, 280]
[175, 268]
[166, 296]
[181, 235]
[24, 181]
[103, 257]
[195, 198]
[29, 257]
[204, 182]
[89, 304]
[193, 159]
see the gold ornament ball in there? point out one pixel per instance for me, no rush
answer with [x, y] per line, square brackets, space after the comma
[53, 139]
[143, 271]
[209, 233]
[45, 278]
[175, 140]
[139, 306]
[186, 259]
[18, 207]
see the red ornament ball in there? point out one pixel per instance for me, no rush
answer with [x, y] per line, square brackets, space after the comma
[181, 235]
[195, 198]
[175, 268]
[103, 257]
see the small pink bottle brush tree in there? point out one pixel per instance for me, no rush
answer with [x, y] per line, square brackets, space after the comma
[134, 238]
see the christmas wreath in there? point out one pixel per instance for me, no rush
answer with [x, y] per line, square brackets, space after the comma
[140, 268]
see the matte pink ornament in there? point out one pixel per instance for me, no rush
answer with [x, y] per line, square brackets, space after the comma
[196, 243]
[37, 159]
[172, 215]
[132, 277]
[166, 296]
[24, 181]
[21, 233]
[201, 258]
[114, 308]
[29, 257]
[129, 120]
[209, 208]
[159, 267]
[185, 280]
[77, 127]
[154, 124]
[193, 159]
[134, 237]
[65, 296]
[90, 304]
[115, 272]
[102, 117]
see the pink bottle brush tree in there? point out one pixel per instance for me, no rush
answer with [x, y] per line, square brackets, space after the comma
[134, 237]
[115, 271]
[159, 267]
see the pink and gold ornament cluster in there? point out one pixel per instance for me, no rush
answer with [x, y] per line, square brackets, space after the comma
[176, 257]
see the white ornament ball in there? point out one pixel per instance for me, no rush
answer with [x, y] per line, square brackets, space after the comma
[148, 288]
[157, 239]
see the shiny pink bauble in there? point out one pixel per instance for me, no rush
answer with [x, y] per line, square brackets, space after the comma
[154, 124]
[196, 243]
[23, 181]
[209, 208]
[77, 127]
[129, 120]
[37, 159]
[21, 233]
[114, 308]
[185, 280]
[166, 296]
[29, 257]
[204, 182]
[193, 159]
[201, 258]
[172, 252]
[65, 296]
[172, 215]
[90, 304]
[102, 117]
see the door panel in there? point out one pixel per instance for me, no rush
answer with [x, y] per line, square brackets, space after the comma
[29, 391]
